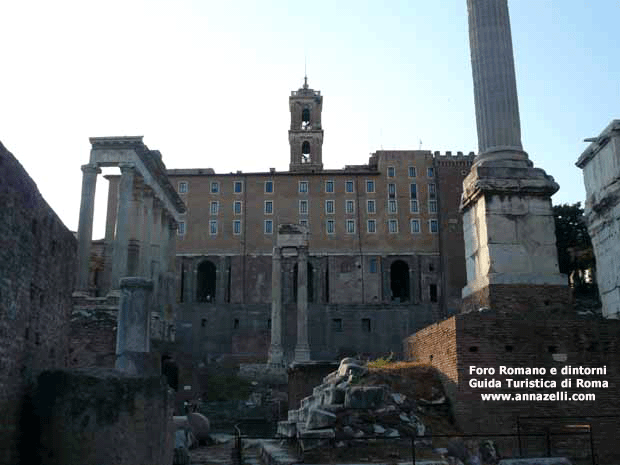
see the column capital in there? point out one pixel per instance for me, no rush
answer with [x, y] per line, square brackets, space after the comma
[92, 168]
[126, 167]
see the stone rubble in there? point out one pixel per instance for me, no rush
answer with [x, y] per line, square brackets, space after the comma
[342, 408]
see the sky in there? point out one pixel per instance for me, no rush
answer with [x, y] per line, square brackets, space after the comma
[207, 82]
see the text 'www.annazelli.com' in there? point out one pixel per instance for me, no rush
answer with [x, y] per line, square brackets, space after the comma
[559, 396]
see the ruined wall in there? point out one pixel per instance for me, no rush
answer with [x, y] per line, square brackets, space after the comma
[488, 340]
[303, 377]
[209, 331]
[37, 268]
[103, 417]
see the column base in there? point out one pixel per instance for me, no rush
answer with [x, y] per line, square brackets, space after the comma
[519, 298]
[276, 356]
[302, 354]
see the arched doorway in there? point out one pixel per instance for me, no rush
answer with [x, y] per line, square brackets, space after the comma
[399, 280]
[205, 285]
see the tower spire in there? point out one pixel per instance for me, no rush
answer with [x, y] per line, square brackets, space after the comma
[305, 74]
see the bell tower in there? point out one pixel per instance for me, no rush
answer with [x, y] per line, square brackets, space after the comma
[306, 134]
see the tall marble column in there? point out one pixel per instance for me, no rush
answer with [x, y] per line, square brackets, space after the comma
[276, 354]
[508, 225]
[145, 252]
[302, 349]
[85, 227]
[495, 85]
[123, 223]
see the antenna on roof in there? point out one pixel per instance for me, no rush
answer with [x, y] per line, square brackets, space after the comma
[420, 148]
[305, 74]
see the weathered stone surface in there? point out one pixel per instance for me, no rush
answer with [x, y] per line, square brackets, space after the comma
[364, 397]
[319, 419]
[200, 426]
[334, 396]
[287, 429]
[293, 415]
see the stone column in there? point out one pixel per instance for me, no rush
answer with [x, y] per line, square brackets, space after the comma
[133, 333]
[495, 87]
[147, 238]
[123, 219]
[508, 226]
[136, 238]
[276, 354]
[85, 227]
[302, 349]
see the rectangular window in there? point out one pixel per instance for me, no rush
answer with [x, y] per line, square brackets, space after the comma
[430, 172]
[370, 186]
[392, 206]
[329, 206]
[391, 190]
[373, 265]
[303, 223]
[238, 187]
[433, 226]
[413, 206]
[213, 227]
[350, 226]
[330, 226]
[350, 207]
[183, 187]
[237, 227]
[393, 226]
[237, 207]
[432, 206]
[366, 325]
[348, 187]
[268, 226]
[371, 207]
[268, 187]
[303, 207]
[337, 325]
[372, 226]
[415, 226]
[268, 207]
[181, 228]
[215, 207]
[329, 186]
[432, 191]
[412, 172]
[303, 187]
[391, 172]
[413, 190]
[215, 187]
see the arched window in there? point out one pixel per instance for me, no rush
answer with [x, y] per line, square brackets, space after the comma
[205, 288]
[305, 118]
[399, 280]
[305, 152]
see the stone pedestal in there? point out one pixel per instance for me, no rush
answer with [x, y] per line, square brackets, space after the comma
[133, 331]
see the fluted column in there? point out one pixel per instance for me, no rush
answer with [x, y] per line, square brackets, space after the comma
[85, 227]
[495, 88]
[147, 238]
[275, 349]
[302, 349]
[121, 242]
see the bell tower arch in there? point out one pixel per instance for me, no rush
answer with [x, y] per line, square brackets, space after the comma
[306, 133]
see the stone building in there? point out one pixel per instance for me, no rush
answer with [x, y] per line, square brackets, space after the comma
[600, 163]
[385, 247]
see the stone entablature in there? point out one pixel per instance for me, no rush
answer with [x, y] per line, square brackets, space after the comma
[600, 163]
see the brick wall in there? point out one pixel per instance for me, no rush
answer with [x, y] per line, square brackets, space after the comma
[37, 268]
[520, 298]
[534, 339]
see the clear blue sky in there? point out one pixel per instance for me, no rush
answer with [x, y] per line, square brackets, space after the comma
[207, 82]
